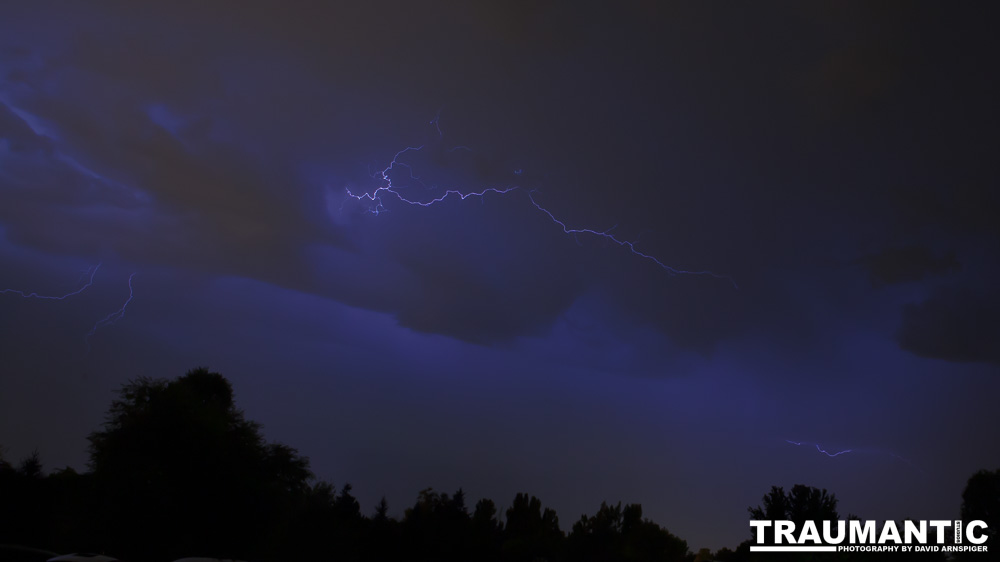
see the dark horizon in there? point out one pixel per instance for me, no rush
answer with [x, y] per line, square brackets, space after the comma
[191, 179]
[176, 469]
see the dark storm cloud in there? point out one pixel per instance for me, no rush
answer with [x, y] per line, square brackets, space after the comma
[138, 160]
[209, 145]
[906, 264]
[173, 176]
[954, 324]
[222, 139]
[19, 137]
[967, 206]
[216, 198]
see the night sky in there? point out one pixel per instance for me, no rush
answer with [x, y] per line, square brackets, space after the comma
[834, 164]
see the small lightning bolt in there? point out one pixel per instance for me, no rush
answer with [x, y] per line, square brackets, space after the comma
[112, 317]
[91, 272]
[860, 451]
[437, 123]
[820, 449]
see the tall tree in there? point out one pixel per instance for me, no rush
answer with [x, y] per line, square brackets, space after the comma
[981, 500]
[800, 504]
[531, 532]
[182, 472]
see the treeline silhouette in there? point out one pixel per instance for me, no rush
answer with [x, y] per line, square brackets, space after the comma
[177, 470]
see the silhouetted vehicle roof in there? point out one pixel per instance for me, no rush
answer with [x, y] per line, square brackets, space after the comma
[197, 559]
[14, 553]
[83, 557]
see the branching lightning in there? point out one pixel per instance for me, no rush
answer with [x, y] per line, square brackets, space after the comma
[112, 317]
[375, 197]
[89, 276]
[376, 206]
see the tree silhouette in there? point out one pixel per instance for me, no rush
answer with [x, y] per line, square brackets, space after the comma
[981, 500]
[437, 527]
[381, 511]
[530, 532]
[801, 504]
[599, 537]
[615, 533]
[384, 540]
[176, 471]
[487, 531]
[181, 471]
[25, 498]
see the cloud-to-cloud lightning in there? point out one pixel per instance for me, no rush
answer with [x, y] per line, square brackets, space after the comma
[375, 197]
[606, 234]
[89, 275]
[376, 207]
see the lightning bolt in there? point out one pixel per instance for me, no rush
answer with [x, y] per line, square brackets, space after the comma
[112, 317]
[859, 451]
[91, 272]
[377, 206]
[820, 449]
[606, 234]
[375, 197]
[437, 123]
